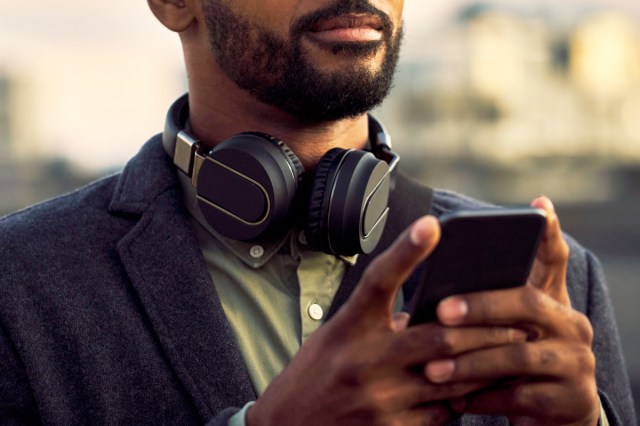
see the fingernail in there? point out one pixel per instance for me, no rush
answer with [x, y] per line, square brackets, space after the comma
[453, 310]
[517, 336]
[440, 371]
[548, 204]
[420, 233]
[399, 321]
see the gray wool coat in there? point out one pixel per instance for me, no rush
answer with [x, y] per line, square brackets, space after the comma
[108, 314]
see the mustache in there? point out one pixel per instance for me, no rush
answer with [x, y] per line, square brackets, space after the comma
[342, 7]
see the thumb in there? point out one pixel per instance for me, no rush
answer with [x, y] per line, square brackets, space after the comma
[380, 282]
[550, 266]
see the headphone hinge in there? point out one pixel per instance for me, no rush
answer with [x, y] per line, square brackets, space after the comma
[183, 155]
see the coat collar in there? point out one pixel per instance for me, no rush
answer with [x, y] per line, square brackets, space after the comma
[169, 274]
[146, 176]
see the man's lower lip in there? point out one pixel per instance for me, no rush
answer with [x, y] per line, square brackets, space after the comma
[343, 35]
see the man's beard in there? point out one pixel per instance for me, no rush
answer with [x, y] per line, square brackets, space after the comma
[276, 71]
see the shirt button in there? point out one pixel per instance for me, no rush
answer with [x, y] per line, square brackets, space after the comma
[256, 252]
[315, 312]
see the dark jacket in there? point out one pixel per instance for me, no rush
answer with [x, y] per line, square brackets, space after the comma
[108, 314]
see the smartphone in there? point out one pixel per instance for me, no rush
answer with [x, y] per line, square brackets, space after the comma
[479, 250]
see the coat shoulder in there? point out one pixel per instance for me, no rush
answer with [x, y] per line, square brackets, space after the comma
[445, 201]
[66, 214]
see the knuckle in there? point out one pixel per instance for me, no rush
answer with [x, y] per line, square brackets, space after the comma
[373, 275]
[375, 281]
[533, 360]
[523, 357]
[565, 251]
[349, 368]
[402, 345]
[587, 389]
[443, 341]
[534, 399]
[547, 357]
[485, 307]
[496, 336]
[585, 361]
[583, 328]
[533, 300]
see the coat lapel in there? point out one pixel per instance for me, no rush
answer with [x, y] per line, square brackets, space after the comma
[169, 274]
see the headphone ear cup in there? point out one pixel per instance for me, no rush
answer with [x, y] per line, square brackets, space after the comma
[319, 199]
[247, 185]
[348, 207]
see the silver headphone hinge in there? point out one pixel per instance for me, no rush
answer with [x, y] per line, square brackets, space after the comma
[183, 155]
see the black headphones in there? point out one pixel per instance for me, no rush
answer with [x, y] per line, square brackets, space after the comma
[249, 186]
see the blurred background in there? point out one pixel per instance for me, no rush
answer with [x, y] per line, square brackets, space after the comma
[500, 100]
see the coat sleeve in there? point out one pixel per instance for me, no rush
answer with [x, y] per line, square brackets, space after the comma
[611, 373]
[223, 417]
[231, 416]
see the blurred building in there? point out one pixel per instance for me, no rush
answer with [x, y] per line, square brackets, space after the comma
[82, 87]
[507, 100]
[524, 85]
[87, 83]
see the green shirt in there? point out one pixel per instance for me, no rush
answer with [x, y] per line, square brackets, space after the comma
[274, 296]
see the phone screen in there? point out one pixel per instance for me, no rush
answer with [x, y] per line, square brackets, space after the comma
[478, 250]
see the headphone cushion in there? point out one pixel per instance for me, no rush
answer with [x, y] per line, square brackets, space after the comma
[317, 210]
[298, 168]
[297, 164]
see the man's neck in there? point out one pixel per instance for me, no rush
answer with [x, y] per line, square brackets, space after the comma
[221, 110]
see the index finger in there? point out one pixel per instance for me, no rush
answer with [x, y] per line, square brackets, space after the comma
[516, 306]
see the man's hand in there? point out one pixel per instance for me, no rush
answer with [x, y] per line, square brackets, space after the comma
[364, 367]
[548, 380]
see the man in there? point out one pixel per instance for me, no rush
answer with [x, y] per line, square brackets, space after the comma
[122, 304]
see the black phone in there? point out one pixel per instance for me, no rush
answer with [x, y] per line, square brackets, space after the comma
[479, 250]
